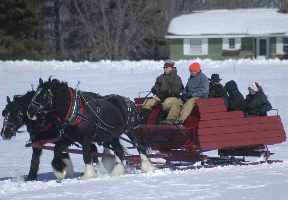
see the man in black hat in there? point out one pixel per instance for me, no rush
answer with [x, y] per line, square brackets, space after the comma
[215, 80]
[216, 90]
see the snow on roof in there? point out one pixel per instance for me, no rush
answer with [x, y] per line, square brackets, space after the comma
[259, 21]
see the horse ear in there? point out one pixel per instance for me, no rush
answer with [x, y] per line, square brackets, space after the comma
[50, 81]
[8, 99]
[40, 81]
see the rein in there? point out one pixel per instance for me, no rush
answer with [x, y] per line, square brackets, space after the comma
[56, 109]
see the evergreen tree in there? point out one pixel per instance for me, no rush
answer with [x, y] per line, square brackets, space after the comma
[19, 30]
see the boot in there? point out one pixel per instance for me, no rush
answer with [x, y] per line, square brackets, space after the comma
[144, 114]
[178, 122]
[166, 122]
[161, 116]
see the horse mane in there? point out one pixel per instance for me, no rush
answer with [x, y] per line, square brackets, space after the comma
[55, 83]
[24, 100]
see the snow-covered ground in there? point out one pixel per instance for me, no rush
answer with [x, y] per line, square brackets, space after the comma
[128, 78]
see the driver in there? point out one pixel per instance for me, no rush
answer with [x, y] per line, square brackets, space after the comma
[167, 89]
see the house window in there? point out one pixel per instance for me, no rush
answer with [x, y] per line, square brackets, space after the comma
[231, 43]
[285, 45]
[195, 46]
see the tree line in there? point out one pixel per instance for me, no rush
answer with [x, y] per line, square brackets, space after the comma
[98, 29]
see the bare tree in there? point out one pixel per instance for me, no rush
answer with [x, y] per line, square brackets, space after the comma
[115, 28]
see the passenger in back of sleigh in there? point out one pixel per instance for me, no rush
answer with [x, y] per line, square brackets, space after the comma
[166, 89]
[257, 103]
[236, 101]
[216, 89]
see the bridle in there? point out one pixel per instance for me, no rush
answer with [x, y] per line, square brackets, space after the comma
[38, 106]
[12, 126]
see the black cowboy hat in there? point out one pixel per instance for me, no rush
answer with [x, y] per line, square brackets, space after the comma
[215, 77]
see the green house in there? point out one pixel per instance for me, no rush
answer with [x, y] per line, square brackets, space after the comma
[229, 34]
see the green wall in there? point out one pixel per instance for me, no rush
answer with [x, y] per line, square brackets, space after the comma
[214, 50]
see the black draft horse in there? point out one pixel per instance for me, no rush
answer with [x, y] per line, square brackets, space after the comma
[86, 117]
[15, 117]
[42, 129]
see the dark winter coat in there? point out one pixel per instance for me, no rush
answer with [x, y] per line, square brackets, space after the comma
[218, 91]
[257, 104]
[236, 100]
[168, 85]
[197, 86]
[211, 91]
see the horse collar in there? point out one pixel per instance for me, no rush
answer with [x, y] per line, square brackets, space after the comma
[74, 108]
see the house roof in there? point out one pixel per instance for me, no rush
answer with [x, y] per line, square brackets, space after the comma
[244, 22]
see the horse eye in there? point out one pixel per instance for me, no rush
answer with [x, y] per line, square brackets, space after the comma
[4, 113]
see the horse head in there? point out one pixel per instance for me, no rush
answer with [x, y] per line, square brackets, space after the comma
[13, 118]
[42, 101]
[14, 114]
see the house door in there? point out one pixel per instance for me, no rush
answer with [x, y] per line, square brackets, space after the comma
[262, 48]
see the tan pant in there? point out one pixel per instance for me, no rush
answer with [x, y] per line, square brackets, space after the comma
[172, 105]
[151, 103]
[187, 108]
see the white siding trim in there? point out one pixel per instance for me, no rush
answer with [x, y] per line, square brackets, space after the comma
[279, 45]
[186, 46]
[225, 44]
[205, 46]
[237, 43]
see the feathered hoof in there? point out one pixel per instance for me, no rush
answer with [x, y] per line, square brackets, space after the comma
[60, 175]
[118, 170]
[89, 172]
[69, 169]
[146, 165]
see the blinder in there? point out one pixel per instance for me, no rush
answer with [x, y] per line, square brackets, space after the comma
[39, 106]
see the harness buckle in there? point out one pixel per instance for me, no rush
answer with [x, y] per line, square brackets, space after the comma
[61, 131]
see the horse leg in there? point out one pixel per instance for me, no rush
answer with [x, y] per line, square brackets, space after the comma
[57, 163]
[118, 168]
[69, 169]
[35, 161]
[95, 158]
[89, 168]
[146, 165]
[108, 161]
